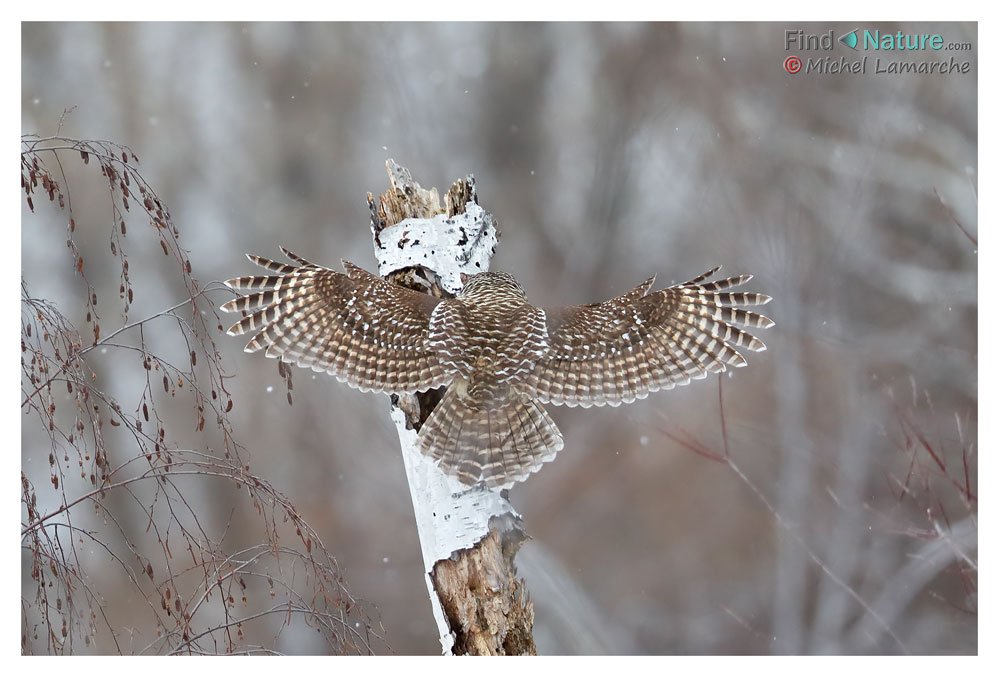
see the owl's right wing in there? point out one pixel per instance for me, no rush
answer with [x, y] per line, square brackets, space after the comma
[363, 330]
[623, 349]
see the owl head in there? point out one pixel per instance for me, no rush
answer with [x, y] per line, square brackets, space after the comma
[488, 286]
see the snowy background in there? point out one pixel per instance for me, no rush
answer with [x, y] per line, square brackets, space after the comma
[607, 153]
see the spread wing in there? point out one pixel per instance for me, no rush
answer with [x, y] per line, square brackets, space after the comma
[623, 349]
[370, 333]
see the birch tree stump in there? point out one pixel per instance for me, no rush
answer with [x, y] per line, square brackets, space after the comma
[469, 536]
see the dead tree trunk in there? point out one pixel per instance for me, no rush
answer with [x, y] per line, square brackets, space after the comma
[469, 537]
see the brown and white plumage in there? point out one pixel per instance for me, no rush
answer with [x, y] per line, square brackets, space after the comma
[367, 332]
[623, 349]
[501, 357]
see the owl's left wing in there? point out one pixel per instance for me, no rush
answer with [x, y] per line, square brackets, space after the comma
[367, 332]
[623, 349]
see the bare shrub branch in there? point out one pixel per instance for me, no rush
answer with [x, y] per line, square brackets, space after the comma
[930, 483]
[121, 531]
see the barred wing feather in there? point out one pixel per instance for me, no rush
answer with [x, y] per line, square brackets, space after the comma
[641, 342]
[363, 330]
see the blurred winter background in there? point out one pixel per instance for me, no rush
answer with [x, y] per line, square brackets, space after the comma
[847, 522]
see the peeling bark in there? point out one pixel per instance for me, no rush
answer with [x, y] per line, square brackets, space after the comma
[487, 607]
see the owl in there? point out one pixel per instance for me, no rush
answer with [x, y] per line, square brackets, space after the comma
[501, 358]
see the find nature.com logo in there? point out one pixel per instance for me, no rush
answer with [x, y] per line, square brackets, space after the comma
[887, 48]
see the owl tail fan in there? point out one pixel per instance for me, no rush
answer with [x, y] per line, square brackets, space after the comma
[496, 442]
